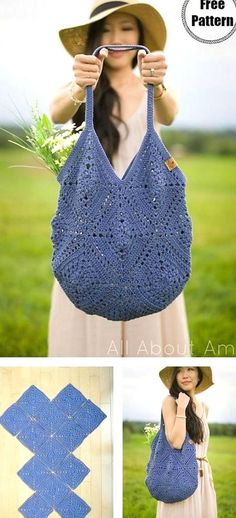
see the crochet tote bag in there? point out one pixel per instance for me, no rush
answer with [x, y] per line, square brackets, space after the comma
[172, 474]
[121, 246]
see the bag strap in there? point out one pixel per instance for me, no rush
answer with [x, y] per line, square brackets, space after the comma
[90, 96]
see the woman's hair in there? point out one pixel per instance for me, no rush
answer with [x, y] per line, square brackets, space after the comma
[105, 97]
[193, 422]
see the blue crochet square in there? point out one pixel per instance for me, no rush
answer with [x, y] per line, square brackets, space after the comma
[14, 419]
[33, 436]
[72, 471]
[69, 399]
[52, 453]
[33, 472]
[45, 481]
[73, 507]
[35, 507]
[50, 417]
[32, 400]
[53, 490]
[89, 416]
[71, 434]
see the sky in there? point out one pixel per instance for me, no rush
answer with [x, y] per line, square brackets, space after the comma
[143, 391]
[34, 64]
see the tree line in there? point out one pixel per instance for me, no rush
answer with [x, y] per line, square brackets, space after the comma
[195, 141]
[228, 429]
[180, 142]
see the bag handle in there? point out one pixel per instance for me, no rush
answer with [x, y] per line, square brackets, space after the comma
[89, 89]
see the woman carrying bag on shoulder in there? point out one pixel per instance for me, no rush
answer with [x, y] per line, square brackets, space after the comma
[178, 474]
[120, 122]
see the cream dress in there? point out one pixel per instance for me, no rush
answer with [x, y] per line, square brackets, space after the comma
[202, 504]
[74, 333]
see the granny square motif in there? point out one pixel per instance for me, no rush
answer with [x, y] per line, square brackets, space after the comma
[53, 490]
[69, 399]
[50, 417]
[32, 400]
[71, 434]
[89, 416]
[52, 430]
[72, 471]
[14, 419]
[73, 507]
[33, 472]
[52, 452]
[33, 436]
[35, 507]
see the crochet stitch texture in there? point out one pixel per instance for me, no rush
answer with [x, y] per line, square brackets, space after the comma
[172, 474]
[52, 430]
[121, 246]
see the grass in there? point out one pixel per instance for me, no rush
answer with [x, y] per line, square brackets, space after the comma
[137, 500]
[27, 203]
[210, 295]
[28, 199]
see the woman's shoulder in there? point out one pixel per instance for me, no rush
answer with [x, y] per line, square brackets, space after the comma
[168, 402]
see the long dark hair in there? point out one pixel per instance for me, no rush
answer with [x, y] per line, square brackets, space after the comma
[105, 97]
[193, 422]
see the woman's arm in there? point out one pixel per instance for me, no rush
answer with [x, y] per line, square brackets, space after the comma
[175, 427]
[62, 107]
[165, 107]
[153, 68]
[87, 70]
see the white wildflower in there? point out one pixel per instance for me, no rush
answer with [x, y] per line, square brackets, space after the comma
[50, 144]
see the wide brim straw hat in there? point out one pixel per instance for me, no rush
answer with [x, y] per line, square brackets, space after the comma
[154, 29]
[166, 376]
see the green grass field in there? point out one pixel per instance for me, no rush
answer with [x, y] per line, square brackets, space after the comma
[28, 199]
[211, 293]
[137, 500]
[27, 204]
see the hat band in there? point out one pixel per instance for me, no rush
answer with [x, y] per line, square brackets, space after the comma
[105, 7]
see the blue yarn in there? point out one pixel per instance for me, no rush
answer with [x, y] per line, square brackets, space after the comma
[72, 471]
[172, 474]
[33, 436]
[14, 419]
[121, 246]
[52, 452]
[52, 430]
[73, 507]
[35, 507]
[69, 400]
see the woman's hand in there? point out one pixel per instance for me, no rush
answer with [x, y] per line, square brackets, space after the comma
[182, 401]
[152, 67]
[87, 69]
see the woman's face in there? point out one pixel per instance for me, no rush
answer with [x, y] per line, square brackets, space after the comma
[120, 29]
[187, 378]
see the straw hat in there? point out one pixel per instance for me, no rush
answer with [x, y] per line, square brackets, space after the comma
[167, 373]
[74, 38]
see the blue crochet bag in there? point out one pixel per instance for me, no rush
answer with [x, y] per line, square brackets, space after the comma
[121, 246]
[172, 474]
